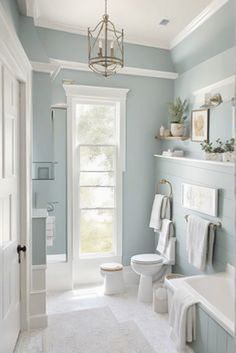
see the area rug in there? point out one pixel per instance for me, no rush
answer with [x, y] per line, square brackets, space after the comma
[85, 331]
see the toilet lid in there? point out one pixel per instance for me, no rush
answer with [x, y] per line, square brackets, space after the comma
[111, 267]
[147, 259]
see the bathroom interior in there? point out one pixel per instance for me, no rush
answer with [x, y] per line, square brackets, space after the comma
[133, 181]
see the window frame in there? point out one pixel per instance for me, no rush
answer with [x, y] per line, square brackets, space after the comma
[90, 94]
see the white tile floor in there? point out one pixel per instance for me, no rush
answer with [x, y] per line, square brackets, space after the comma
[154, 326]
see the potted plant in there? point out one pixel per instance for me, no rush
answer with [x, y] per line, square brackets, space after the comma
[213, 153]
[229, 153]
[207, 147]
[177, 110]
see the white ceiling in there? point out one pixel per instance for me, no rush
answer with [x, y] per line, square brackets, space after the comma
[139, 18]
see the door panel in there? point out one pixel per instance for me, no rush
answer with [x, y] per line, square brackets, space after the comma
[9, 213]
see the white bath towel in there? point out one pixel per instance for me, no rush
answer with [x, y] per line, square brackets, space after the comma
[199, 241]
[182, 318]
[167, 231]
[160, 210]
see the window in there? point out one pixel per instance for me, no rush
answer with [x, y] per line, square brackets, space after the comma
[97, 160]
[96, 150]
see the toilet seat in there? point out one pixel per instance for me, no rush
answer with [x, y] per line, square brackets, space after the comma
[111, 267]
[147, 259]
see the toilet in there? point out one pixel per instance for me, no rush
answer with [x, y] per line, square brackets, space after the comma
[152, 267]
[113, 278]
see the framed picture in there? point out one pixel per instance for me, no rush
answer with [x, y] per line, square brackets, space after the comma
[200, 125]
[200, 198]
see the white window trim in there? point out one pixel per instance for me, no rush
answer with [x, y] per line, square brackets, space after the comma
[76, 93]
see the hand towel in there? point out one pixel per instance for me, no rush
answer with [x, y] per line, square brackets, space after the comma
[160, 210]
[50, 230]
[182, 318]
[166, 232]
[197, 241]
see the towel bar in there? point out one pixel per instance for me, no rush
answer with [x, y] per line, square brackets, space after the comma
[164, 181]
[214, 225]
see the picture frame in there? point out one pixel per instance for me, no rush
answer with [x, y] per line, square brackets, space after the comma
[200, 198]
[200, 125]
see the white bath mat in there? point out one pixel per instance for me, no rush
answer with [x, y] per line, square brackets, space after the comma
[85, 331]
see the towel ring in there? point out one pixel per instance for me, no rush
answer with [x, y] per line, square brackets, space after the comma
[164, 181]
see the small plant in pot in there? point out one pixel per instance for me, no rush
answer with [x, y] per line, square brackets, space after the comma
[213, 153]
[229, 151]
[177, 112]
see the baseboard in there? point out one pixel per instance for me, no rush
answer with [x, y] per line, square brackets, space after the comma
[38, 321]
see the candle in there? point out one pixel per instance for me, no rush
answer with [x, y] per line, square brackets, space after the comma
[100, 48]
[112, 48]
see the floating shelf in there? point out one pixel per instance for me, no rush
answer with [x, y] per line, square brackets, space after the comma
[173, 138]
[205, 161]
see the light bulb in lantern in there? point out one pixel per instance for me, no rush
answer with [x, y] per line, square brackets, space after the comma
[100, 48]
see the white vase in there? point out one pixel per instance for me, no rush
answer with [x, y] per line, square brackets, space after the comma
[229, 157]
[211, 156]
[176, 129]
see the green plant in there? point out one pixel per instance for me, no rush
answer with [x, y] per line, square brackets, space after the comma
[177, 110]
[229, 145]
[207, 146]
[219, 147]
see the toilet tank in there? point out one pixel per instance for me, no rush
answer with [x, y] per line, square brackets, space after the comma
[170, 251]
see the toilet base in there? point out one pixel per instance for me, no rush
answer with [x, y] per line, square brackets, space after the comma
[145, 290]
[113, 282]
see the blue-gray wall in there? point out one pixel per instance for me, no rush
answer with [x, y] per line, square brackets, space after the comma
[198, 74]
[11, 9]
[213, 37]
[146, 110]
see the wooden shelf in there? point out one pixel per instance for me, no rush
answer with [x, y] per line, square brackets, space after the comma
[205, 161]
[173, 138]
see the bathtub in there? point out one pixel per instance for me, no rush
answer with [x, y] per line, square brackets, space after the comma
[215, 293]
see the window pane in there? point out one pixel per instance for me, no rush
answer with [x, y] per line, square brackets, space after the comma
[95, 158]
[96, 231]
[96, 123]
[92, 197]
[94, 179]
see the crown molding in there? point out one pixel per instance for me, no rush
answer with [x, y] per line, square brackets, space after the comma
[47, 68]
[58, 26]
[33, 10]
[55, 65]
[133, 71]
[209, 11]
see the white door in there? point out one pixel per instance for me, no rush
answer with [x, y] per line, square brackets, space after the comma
[9, 211]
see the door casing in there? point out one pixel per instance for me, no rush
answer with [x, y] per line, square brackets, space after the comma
[13, 57]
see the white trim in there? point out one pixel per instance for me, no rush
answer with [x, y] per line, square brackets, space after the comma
[39, 267]
[56, 65]
[47, 68]
[38, 321]
[91, 92]
[209, 11]
[33, 11]
[75, 94]
[12, 56]
[225, 87]
[195, 160]
[214, 86]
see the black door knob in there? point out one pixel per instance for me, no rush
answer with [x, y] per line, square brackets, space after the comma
[20, 249]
